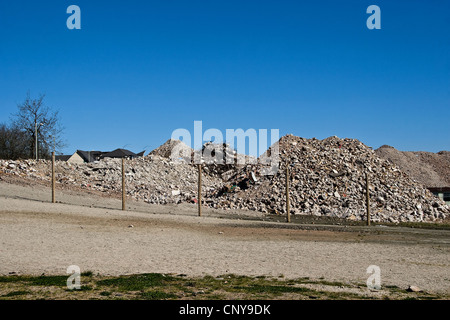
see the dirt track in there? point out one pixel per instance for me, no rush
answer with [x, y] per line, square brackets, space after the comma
[39, 237]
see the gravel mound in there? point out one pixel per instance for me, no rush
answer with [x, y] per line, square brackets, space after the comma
[179, 149]
[327, 178]
[427, 168]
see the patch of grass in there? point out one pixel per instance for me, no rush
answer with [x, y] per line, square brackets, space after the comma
[273, 289]
[137, 282]
[157, 295]
[393, 288]
[48, 281]
[343, 296]
[16, 293]
[83, 288]
[325, 283]
[87, 274]
[156, 286]
[8, 279]
[429, 298]
[36, 281]
[216, 296]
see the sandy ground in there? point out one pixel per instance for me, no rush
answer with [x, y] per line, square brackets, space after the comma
[90, 231]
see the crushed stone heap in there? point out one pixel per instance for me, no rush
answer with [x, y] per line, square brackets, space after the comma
[327, 178]
[152, 179]
[179, 149]
[428, 168]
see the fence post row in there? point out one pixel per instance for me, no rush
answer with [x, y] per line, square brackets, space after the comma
[199, 202]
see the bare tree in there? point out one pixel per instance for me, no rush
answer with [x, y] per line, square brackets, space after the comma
[40, 124]
[13, 143]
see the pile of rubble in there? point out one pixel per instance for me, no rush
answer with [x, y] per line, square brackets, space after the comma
[428, 168]
[327, 178]
[173, 149]
[152, 179]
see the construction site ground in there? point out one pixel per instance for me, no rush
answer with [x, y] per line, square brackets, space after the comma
[88, 229]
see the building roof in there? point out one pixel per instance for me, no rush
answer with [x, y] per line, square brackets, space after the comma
[63, 158]
[121, 153]
[90, 156]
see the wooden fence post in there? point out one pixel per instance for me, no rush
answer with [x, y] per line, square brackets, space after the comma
[367, 199]
[123, 185]
[288, 210]
[53, 177]
[199, 197]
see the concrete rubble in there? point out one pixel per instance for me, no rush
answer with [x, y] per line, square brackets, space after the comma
[327, 178]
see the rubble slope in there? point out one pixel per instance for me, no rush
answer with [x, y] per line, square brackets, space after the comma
[428, 168]
[327, 177]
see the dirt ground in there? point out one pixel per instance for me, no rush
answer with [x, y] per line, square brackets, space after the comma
[91, 231]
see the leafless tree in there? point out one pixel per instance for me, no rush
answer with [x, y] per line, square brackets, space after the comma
[13, 143]
[34, 117]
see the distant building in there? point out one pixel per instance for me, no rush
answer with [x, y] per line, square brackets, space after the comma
[81, 156]
[62, 158]
[89, 156]
[122, 153]
[74, 158]
[442, 192]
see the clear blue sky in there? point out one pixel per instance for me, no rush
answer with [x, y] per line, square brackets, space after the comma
[137, 70]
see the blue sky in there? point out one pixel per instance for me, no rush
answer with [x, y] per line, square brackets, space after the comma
[137, 70]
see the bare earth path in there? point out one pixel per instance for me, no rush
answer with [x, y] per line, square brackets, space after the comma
[39, 237]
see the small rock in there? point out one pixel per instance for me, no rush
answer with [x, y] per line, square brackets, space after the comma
[414, 289]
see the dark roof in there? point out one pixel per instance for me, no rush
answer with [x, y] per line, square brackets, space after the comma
[62, 158]
[119, 153]
[90, 156]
